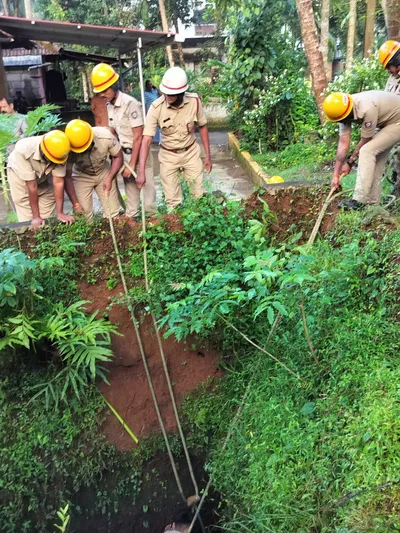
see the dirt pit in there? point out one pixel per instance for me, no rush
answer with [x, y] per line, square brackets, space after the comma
[189, 365]
[129, 392]
[294, 207]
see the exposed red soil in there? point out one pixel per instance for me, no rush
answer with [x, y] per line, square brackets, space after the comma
[296, 206]
[129, 391]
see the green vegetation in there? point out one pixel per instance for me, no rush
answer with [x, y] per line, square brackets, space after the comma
[303, 443]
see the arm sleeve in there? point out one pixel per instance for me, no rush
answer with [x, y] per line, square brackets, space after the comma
[344, 129]
[201, 118]
[135, 114]
[369, 123]
[150, 127]
[113, 145]
[22, 166]
[59, 171]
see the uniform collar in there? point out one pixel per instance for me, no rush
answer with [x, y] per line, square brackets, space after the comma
[118, 100]
[36, 155]
[185, 101]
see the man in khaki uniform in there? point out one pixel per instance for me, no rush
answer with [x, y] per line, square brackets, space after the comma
[372, 110]
[88, 167]
[177, 113]
[29, 168]
[7, 108]
[125, 118]
[389, 57]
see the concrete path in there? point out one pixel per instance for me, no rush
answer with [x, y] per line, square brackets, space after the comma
[226, 176]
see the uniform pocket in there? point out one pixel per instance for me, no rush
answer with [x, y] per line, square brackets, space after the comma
[168, 130]
[190, 127]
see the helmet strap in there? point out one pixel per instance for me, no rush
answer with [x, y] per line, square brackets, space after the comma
[395, 61]
[178, 100]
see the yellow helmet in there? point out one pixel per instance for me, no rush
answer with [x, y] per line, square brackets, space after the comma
[80, 135]
[55, 146]
[337, 106]
[103, 76]
[387, 52]
[275, 179]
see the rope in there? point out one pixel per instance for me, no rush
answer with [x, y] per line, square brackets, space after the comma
[143, 355]
[331, 196]
[160, 346]
[162, 354]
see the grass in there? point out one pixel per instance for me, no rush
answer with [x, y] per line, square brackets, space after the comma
[300, 447]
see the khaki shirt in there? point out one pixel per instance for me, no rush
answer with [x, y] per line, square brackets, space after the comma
[95, 160]
[373, 109]
[28, 163]
[20, 129]
[123, 115]
[393, 84]
[177, 124]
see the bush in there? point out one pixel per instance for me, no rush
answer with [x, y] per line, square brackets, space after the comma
[286, 113]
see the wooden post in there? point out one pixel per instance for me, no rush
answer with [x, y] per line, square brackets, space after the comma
[3, 77]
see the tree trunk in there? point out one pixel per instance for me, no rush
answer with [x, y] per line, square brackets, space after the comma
[351, 33]
[180, 47]
[313, 52]
[28, 9]
[325, 33]
[6, 8]
[3, 77]
[391, 10]
[369, 28]
[165, 29]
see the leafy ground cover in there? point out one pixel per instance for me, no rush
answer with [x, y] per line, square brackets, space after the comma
[317, 446]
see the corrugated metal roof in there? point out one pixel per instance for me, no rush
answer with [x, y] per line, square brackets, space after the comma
[40, 48]
[123, 39]
[22, 61]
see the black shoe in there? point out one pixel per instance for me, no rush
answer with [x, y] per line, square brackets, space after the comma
[351, 204]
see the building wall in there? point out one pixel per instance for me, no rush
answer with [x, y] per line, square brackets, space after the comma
[30, 84]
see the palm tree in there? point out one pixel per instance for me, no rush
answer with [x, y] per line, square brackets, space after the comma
[351, 33]
[324, 32]
[369, 28]
[164, 22]
[391, 10]
[313, 52]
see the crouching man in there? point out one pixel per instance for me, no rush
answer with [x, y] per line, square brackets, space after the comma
[89, 169]
[29, 168]
[372, 110]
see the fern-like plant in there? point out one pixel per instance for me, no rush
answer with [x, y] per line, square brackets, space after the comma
[82, 341]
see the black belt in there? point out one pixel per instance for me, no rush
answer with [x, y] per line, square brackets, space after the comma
[127, 150]
[178, 150]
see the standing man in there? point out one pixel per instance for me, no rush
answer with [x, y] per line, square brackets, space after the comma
[370, 109]
[177, 113]
[125, 118]
[89, 169]
[389, 57]
[99, 109]
[29, 168]
[151, 94]
[7, 107]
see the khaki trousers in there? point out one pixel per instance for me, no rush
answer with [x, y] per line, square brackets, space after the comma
[19, 194]
[85, 185]
[373, 157]
[133, 193]
[191, 164]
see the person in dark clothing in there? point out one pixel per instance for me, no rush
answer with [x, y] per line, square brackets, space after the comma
[55, 88]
